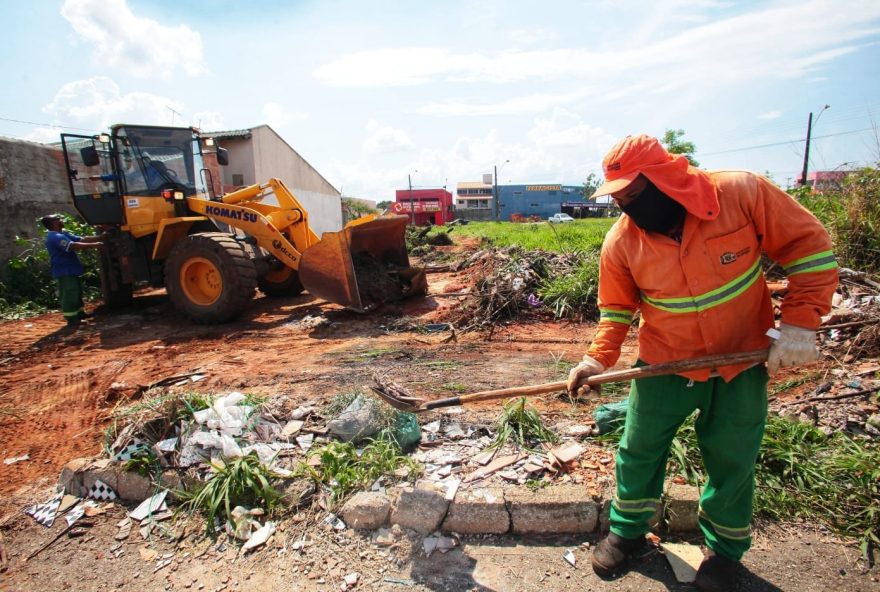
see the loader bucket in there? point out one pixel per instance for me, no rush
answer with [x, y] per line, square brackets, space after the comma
[362, 265]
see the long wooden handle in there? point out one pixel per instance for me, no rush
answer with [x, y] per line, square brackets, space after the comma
[704, 363]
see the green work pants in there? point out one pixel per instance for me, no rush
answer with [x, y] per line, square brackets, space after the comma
[730, 426]
[70, 295]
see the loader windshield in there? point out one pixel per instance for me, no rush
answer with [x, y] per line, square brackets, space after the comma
[152, 159]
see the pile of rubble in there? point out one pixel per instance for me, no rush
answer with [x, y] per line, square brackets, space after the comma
[501, 284]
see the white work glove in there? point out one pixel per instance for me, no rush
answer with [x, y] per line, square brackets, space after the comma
[587, 368]
[793, 347]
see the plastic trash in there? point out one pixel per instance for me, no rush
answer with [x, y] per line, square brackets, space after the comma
[406, 431]
[611, 416]
[361, 419]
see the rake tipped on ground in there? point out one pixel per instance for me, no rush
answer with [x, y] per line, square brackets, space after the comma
[400, 398]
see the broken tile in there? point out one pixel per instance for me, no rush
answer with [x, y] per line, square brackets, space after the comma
[684, 560]
[567, 452]
[292, 428]
[14, 459]
[259, 537]
[569, 557]
[149, 506]
[101, 491]
[305, 441]
[498, 463]
[45, 513]
[484, 457]
[67, 502]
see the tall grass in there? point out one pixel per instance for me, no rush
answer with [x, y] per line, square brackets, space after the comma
[579, 236]
[851, 213]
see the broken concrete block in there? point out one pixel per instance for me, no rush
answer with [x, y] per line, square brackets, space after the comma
[552, 510]
[478, 511]
[366, 510]
[132, 486]
[78, 476]
[71, 477]
[682, 506]
[421, 508]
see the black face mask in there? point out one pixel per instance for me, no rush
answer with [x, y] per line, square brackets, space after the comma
[654, 211]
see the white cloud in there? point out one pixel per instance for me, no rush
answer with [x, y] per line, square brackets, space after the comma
[277, 115]
[536, 103]
[134, 44]
[209, 120]
[96, 103]
[786, 40]
[384, 139]
[770, 115]
[558, 148]
[531, 36]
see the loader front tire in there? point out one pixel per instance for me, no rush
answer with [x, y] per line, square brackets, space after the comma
[210, 278]
[281, 282]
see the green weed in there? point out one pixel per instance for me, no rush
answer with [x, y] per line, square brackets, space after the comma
[344, 469]
[788, 384]
[522, 424]
[27, 287]
[243, 482]
[573, 294]
[440, 364]
[456, 387]
[144, 463]
[851, 213]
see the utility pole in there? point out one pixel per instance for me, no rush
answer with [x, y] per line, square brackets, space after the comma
[495, 192]
[807, 147]
[412, 212]
[807, 150]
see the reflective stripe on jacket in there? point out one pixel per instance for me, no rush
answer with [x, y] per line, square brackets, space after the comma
[707, 295]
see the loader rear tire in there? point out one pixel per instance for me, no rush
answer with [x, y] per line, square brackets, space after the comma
[116, 294]
[281, 282]
[210, 278]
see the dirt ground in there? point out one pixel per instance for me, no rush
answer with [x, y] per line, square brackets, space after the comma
[58, 390]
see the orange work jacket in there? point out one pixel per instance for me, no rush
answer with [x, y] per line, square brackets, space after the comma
[707, 295]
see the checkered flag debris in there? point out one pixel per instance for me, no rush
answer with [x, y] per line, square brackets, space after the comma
[75, 514]
[44, 513]
[132, 450]
[102, 492]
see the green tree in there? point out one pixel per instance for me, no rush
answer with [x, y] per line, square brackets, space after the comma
[384, 204]
[591, 184]
[674, 143]
[353, 209]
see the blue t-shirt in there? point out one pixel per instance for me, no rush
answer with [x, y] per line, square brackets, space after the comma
[63, 259]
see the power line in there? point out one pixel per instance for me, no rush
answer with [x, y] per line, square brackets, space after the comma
[801, 140]
[82, 129]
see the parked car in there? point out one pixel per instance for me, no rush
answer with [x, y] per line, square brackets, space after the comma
[560, 218]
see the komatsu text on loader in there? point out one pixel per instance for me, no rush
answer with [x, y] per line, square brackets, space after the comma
[148, 189]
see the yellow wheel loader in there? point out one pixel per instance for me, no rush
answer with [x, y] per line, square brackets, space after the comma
[148, 189]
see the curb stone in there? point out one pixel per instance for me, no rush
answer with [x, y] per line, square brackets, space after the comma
[560, 509]
[478, 511]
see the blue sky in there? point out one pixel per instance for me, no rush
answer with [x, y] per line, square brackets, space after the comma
[370, 92]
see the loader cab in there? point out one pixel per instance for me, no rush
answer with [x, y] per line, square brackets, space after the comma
[132, 162]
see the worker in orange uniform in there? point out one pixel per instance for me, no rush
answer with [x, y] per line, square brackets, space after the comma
[686, 254]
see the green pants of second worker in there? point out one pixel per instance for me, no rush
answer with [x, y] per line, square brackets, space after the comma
[729, 427]
[70, 295]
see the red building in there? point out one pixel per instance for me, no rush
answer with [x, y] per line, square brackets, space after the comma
[425, 206]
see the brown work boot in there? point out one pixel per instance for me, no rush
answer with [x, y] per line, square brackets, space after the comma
[612, 554]
[717, 573]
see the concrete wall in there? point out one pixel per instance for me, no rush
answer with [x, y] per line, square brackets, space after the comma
[275, 158]
[241, 162]
[33, 182]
